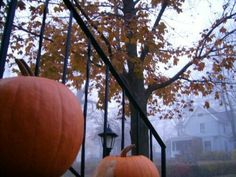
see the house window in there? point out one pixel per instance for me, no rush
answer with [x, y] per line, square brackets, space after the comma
[200, 114]
[224, 128]
[202, 127]
[207, 146]
[226, 146]
[173, 146]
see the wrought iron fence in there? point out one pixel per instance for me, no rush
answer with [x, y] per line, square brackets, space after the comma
[109, 70]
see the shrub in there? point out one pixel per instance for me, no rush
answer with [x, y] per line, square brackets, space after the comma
[202, 170]
[217, 168]
[215, 156]
[233, 155]
[178, 170]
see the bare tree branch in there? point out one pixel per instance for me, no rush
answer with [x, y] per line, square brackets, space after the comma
[158, 19]
[199, 56]
[95, 27]
[112, 15]
[156, 86]
[30, 32]
[209, 80]
[207, 35]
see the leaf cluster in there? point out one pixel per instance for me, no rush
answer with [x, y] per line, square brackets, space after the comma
[137, 46]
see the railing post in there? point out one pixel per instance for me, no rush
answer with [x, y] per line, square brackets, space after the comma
[151, 144]
[107, 78]
[1, 3]
[67, 50]
[163, 161]
[6, 35]
[138, 133]
[41, 38]
[123, 121]
[82, 167]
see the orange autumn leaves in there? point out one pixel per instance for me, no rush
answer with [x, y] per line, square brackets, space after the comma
[128, 36]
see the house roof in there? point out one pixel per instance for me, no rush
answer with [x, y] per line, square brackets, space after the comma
[183, 137]
[219, 117]
[222, 117]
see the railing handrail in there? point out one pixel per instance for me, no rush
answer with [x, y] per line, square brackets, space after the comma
[112, 70]
[120, 81]
[105, 59]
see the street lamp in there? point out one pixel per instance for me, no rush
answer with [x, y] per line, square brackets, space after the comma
[110, 136]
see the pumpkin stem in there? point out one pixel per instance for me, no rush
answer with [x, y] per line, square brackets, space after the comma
[126, 150]
[24, 68]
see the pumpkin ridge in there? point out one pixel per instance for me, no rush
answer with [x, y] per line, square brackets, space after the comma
[13, 114]
[140, 165]
[32, 156]
[19, 101]
[149, 166]
[40, 95]
[62, 127]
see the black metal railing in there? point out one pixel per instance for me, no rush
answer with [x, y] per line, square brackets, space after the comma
[109, 70]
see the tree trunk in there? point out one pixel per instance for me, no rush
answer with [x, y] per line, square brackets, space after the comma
[135, 80]
[139, 134]
[231, 116]
[139, 131]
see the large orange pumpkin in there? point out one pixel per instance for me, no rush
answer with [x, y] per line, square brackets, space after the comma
[126, 166]
[41, 127]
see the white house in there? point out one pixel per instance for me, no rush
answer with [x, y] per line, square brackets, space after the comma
[202, 131]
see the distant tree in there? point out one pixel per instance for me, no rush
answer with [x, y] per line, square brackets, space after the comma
[135, 36]
[228, 100]
[224, 85]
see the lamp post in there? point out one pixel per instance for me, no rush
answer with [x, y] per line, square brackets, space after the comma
[108, 140]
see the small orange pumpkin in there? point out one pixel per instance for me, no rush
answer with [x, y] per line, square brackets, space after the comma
[41, 127]
[126, 166]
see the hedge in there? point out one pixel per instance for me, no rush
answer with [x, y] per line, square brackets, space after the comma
[202, 170]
